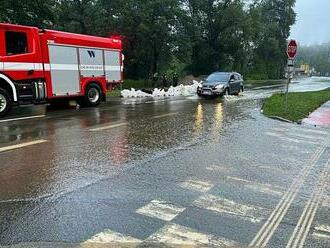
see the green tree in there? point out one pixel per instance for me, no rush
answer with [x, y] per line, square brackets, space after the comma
[29, 12]
[273, 20]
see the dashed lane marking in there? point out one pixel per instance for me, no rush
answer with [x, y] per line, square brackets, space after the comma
[111, 237]
[215, 168]
[301, 230]
[200, 186]
[176, 235]
[22, 118]
[266, 232]
[164, 115]
[161, 210]
[18, 146]
[108, 127]
[226, 206]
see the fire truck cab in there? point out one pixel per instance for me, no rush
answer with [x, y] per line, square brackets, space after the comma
[46, 66]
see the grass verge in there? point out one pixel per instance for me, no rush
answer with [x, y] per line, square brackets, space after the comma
[300, 105]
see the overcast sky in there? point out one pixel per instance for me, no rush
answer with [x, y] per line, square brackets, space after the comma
[313, 22]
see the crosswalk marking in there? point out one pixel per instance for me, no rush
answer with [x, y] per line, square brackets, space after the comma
[223, 205]
[322, 231]
[176, 235]
[300, 135]
[308, 130]
[160, 210]
[196, 185]
[109, 236]
[256, 186]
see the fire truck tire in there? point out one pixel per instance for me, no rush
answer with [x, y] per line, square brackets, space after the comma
[93, 95]
[5, 102]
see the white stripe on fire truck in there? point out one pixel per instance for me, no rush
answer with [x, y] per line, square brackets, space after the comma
[64, 67]
[112, 68]
[13, 66]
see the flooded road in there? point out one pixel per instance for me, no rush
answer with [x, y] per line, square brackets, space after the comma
[179, 171]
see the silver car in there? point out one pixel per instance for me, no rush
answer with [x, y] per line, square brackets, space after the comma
[221, 83]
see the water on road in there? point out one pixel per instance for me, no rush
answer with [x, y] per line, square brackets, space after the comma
[171, 170]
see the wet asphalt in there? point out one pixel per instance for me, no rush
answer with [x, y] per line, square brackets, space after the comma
[172, 171]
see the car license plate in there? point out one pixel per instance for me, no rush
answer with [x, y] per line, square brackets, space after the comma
[207, 92]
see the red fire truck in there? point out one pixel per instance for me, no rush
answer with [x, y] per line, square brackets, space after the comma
[45, 66]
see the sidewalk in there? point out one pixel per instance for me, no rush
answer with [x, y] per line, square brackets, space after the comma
[320, 117]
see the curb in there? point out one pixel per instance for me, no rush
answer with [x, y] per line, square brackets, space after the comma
[283, 119]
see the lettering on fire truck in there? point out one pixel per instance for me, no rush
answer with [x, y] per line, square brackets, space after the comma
[46, 66]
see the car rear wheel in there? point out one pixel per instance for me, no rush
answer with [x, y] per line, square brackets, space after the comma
[5, 102]
[93, 95]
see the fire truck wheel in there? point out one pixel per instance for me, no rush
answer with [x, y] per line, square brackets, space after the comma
[5, 102]
[93, 95]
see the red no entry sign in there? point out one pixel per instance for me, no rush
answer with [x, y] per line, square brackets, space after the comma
[292, 49]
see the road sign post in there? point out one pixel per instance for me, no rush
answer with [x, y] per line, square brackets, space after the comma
[291, 51]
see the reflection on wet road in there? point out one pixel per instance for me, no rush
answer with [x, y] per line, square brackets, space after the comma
[177, 170]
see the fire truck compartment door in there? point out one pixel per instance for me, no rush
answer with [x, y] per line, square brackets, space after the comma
[64, 70]
[112, 66]
[91, 62]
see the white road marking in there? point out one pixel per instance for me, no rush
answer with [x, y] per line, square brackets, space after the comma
[326, 201]
[22, 118]
[263, 188]
[176, 235]
[215, 168]
[164, 115]
[195, 185]
[266, 232]
[299, 141]
[273, 134]
[18, 146]
[301, 230]
[294, 134]
[108, 127]
[322, 231]
[222, 205]
[239, 179]
[308, 130]
[108, 236]
[161, 210]
[279, 129]
[260, 187]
